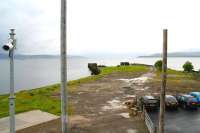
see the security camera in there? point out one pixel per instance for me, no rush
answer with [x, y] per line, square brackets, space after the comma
[9, 45]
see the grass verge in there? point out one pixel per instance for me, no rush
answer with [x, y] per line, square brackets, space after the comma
[178, 81]
[48, 98]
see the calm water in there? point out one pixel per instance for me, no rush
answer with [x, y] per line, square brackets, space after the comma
[32, 73]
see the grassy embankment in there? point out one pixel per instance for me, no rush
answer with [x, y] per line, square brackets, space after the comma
[178, 81]
[48, 98]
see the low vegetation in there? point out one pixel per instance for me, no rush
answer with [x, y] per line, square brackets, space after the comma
[179, 81]
[48, 98]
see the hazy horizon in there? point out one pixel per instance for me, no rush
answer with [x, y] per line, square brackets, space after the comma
[110, 55]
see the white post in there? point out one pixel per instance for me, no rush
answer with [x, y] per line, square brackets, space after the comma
[12, 92]
[63, 67]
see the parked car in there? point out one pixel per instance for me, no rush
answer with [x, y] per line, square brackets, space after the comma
[171, 102]
[196, 95]
[187, 101]
[149, 102]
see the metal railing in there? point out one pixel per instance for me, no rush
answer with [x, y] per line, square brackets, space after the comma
[148, 122]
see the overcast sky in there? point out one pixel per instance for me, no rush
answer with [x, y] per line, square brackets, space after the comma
[102, 26]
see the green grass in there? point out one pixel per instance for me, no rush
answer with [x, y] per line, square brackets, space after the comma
[179, 81]
[33, 99]
[109, 70]
[175, 74]
[48, 98]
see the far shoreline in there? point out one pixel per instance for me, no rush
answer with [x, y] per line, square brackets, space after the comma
[169, 57]
[47, 98]
[74, 80]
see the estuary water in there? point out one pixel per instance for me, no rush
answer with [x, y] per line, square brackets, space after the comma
[38, 72]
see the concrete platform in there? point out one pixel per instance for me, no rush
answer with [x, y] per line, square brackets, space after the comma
[27, 119]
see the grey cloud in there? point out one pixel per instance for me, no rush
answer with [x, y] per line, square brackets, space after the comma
[35, 22]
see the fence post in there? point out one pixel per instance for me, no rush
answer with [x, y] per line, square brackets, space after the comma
[155, 129]
[143, 111]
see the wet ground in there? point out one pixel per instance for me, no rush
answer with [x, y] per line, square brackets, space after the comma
[99, 106]
[180, 121]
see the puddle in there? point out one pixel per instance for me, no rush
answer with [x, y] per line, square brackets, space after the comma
[131, 131]
[125, 80]
[79, 93]
[138, 81]
[142, 89]
[130, 96]
[100, 113]
[96, 90]
[125, 115]
[113, 105]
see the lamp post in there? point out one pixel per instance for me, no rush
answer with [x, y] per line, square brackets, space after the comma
[163, 87]
[10, 46]
[63, 90]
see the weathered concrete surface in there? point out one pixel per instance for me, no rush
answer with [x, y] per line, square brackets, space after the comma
[27, 119]
[99, 106]
[53, 126]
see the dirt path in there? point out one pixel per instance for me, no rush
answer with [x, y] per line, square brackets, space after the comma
[99, 106]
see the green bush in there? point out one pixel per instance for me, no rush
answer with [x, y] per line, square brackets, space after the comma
[94, 68]
[188, 67]
[158, 65]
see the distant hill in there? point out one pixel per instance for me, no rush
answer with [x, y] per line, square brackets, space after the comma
[22, 56]
[176, 54]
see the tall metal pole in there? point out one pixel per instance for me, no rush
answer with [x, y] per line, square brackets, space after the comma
[12, 95]
[163, 87]
[63, 67]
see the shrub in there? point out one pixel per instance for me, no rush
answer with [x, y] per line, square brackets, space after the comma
[158, 65]
[94, 68]
[188, 67]
[124, 63]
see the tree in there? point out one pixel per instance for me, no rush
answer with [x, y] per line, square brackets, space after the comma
[188, 67]
[158, 65]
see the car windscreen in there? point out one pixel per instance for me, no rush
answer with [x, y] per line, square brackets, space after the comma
[170, 99]
[195, 94]
[152, 101]
[192, 99]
